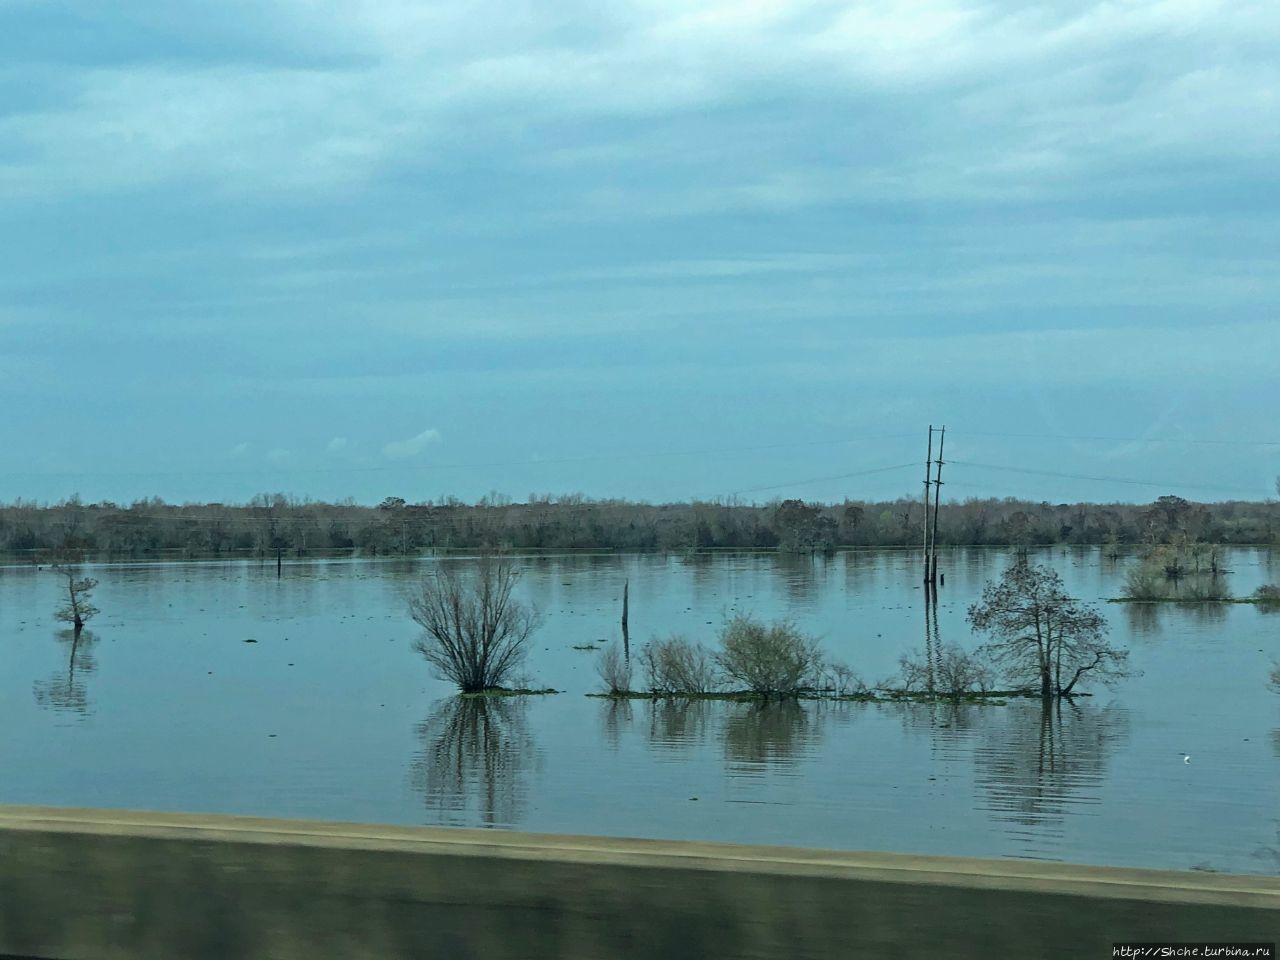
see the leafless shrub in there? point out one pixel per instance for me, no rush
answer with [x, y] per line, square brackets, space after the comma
[839, 680]
[953, 672]
[476, 633]
[1267, 595]
[614, 669]
[677, 665]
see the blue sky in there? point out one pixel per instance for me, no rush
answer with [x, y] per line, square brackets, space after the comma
[656, 250]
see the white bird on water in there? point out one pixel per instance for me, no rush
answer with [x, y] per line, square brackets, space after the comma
[1186, 758]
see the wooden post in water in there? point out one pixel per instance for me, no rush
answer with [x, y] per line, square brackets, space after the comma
[279, 562]
[626, 639]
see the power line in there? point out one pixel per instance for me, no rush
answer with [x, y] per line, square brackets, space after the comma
[1188, 440]
[1080, 476]
[839, 476]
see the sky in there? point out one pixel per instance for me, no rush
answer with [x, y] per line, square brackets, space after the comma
[650, 249]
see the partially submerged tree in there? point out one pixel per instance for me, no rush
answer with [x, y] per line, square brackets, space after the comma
[614, 669]
[775, 661]
[677, 666]
[1041, 636]
[947, 671]
[76, 608]
[476, 632]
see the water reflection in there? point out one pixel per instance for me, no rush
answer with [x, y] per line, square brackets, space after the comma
[1144, 618]
[476, 757]
[678, 722]
[65, 690]
[615, 716]
[767, 733]
[1036, 765]
[950, 715]
[802, 576]
[1207, 614]
[1037, 762]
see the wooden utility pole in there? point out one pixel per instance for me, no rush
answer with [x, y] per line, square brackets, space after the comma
[928, 467]
[626, 638]
[937, 497]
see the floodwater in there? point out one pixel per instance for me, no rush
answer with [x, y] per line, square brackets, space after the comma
[162, 705]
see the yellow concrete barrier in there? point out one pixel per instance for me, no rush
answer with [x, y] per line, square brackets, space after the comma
[102, 885]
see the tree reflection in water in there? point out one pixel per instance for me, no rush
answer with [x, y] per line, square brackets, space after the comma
[678, 722]
[615, 713]
[65, 690]
[751, 734]
[767, 733]
[1144, 619]
[476, 757]
[1037, 762]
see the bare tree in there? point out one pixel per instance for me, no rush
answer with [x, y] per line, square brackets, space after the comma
[76, 608]
[953, 672]
[477, 634]
[614, 669]
[1042, 636]
[678, 666]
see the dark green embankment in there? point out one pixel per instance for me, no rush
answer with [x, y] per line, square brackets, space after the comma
[101, 885]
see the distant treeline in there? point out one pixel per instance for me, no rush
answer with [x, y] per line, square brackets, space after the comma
[275, 523]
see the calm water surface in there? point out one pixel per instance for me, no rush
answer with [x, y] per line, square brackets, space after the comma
[332, 715]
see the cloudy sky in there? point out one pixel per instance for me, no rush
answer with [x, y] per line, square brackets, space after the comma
[656, 249]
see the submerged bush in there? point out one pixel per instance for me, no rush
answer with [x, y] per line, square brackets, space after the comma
[771, 660]
[1203, 588]
[1188, 573]
[1143, 583]
[475, 633]
[677, 665]
[951, 671]
[838, 680]
[614, 669]
[1268, 595]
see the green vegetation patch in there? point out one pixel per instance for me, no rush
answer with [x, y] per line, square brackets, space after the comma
[508, 692]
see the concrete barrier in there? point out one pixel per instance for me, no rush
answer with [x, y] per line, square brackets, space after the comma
[101, 885]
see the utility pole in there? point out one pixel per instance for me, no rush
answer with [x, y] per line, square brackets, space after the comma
[937, 497]
[626, 636]
[928, 467]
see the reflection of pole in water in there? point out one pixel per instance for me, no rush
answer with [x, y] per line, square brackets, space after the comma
[930, 644]
[935, 668]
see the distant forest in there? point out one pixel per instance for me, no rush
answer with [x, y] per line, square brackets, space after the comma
[272, 524]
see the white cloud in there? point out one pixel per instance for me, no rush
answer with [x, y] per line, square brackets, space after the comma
[336, 445]
[279, 455]
[401, 449]
[240, 450]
